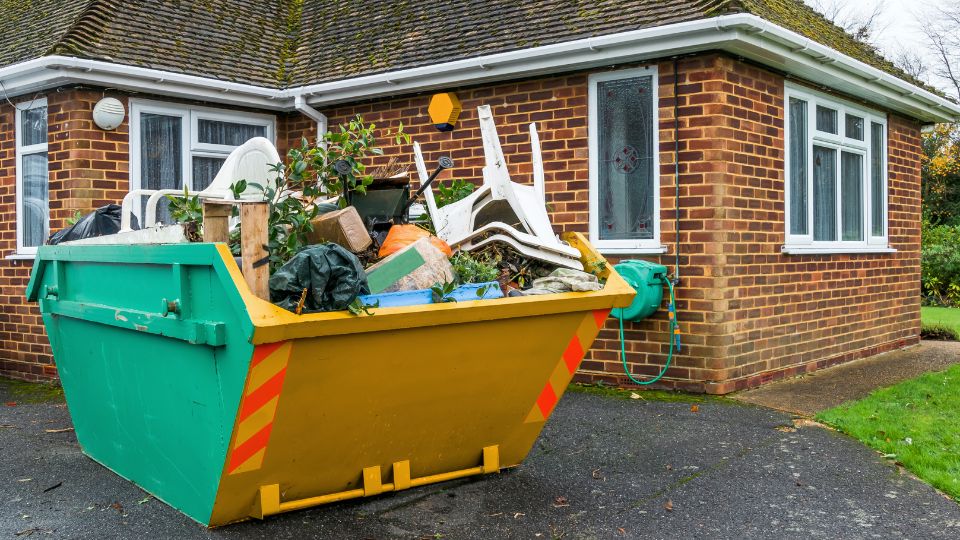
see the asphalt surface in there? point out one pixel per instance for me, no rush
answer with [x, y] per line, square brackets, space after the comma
[603, 468]
[826, 388]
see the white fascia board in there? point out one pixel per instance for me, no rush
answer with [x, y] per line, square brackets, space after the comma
[745, 35]
[51, 71]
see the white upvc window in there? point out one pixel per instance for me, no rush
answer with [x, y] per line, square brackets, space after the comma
[175, 146]
[836, 175]
[32, 176]
[624, 162]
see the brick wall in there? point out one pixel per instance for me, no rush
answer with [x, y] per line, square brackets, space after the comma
[748, 313]
[88, 169]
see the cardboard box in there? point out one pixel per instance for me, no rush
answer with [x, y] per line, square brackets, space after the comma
[342, 227]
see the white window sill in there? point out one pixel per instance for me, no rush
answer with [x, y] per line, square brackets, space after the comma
[853, 250]
[21, 256]
[654, 250]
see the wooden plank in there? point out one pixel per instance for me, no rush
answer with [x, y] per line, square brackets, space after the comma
[216, 221]
[253, 247]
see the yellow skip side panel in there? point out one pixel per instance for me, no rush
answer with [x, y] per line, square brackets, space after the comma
[433, 396]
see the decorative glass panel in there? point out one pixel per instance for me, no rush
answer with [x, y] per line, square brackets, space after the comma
[33, 126]
[160, 157]
[798, 167]
[824, 194]
[625, 164]
[851, 196]
[826, 119]
[878, 210]
[204, 171]
[854, 127]
[35, 199]
[227, 133]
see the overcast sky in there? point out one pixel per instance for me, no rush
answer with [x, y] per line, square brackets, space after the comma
[898, 27]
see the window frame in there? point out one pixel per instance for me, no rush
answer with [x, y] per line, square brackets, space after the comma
[804, 243]
[190, 115]
[638, 246]
[20, 152]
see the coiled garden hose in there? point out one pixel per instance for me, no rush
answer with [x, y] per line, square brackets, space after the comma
[674, 339]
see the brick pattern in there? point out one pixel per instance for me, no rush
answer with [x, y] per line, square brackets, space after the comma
[87, 169]
[749, 314]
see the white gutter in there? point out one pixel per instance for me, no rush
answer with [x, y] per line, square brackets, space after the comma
[52, 71]
[745, 35]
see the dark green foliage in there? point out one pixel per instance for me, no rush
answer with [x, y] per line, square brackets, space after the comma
[458, 189]
[468, 268]
[940, 265]
[310, 176]
[185, 209]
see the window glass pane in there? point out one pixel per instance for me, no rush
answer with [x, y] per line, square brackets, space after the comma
[851, 195]
[625, 161]
[798, 167]
[160, 157]
[854, 127]
[204, 170]
[826, 119]
[33, 126]
[824, 193]
[227, 133]
[879, 211]
[35, 199]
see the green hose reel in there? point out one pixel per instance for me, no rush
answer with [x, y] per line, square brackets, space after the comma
[647, 279]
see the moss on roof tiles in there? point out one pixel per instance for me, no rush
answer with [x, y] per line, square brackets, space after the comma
[283, 43]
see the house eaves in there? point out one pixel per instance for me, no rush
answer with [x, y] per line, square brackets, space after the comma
[745, 35]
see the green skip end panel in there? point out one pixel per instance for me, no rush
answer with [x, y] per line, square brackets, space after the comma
[152, 356]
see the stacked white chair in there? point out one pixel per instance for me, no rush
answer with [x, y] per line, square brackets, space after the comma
[501, 210]
[251, 161]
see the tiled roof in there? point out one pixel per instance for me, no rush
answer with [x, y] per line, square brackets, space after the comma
[284, 43]
[30, 28]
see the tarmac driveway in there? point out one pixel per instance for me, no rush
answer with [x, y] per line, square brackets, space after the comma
[603, 468]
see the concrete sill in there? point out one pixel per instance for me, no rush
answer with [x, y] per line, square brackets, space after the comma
[632, 251]
[807, 250]
[21, 257]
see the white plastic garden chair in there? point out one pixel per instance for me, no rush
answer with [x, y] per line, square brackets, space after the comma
[250, 161]
[487, 215]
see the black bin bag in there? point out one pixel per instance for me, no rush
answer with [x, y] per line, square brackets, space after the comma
[102, 221]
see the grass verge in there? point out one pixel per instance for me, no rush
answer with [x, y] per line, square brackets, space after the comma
[940, 323]
[913, 422]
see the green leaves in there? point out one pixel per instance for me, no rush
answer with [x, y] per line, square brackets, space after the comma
[468, 268]
[457, 190]
[185, 209]
[237, 188]
[309, 176]
[441, 292]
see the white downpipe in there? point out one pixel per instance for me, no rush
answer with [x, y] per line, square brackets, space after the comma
[300, 104]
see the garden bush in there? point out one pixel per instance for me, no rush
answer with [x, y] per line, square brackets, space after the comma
[940, 265]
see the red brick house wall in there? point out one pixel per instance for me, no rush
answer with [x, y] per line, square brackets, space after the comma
[88, 169]
[748, 312]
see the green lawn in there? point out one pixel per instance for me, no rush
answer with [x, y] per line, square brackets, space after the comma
[916, 423]
[933, 318]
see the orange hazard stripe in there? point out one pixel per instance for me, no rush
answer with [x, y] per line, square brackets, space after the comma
[258, 407]
[259, 397]
[579, 343]
[250, 447]
[263, 351]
